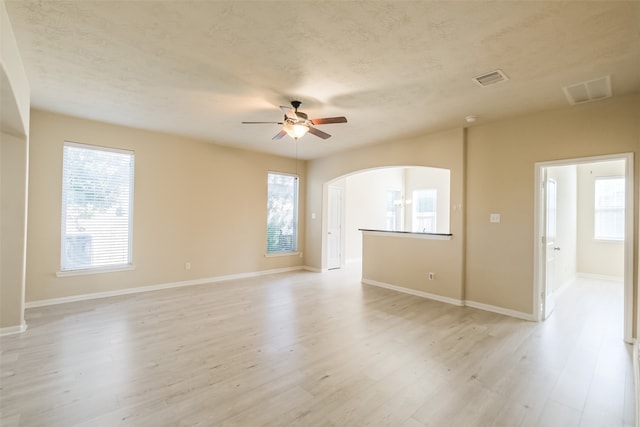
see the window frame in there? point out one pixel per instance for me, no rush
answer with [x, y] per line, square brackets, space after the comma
[601, 209]
[295, 215]
[416, 216]
[393, 211]
[72, 270]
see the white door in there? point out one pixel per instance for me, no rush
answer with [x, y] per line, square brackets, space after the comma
[550, 240]
[334, 228]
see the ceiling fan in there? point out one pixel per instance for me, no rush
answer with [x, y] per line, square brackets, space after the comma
[297, 124]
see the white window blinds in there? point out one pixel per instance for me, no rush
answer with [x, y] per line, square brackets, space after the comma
[282, 213]
[97, 202]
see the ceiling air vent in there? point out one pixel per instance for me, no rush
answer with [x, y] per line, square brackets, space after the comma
[491, 78]
[588, 91]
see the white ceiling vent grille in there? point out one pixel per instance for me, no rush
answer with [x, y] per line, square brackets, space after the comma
[491, 78]
[588, 91]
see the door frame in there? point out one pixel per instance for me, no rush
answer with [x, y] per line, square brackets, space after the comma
[539, 252]
[331, 188]
[549, 293]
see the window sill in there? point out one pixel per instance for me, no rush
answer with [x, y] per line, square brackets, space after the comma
[87, 271]
[605, 240]
[409, 234]
[279, 254]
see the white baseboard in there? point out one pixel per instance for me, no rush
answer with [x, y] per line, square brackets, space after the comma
[500, 310]
[600, 277]
[12, 330]
[409, 291]
[454, 301]
[312, 269]
[128, 291]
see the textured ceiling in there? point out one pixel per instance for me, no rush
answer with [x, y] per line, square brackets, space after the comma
[395, 69]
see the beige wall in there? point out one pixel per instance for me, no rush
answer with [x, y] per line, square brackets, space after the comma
[15, 86]
[441, 150]
[496, 161]
[597, 257]
[193, 202]
[366, 196]
[13, 190]
[500, 178]
[397, 260]
[14, 148]
[205, 204]
[184, 202]
[366, 203]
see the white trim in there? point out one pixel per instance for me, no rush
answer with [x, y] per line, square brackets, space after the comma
[87, 271]
[406, 234]
[500, 310]
[13, 330]
[99, 148]
[600, 277]
[454, 301]
[582, 160]
[630, 230]
[422, 294]
[279, 254]
[128, 291]
[353, 261]
[538, 251]
[636, 380]
[341, 227]
[312, 269]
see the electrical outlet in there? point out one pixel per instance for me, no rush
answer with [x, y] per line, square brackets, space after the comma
[187, 266]
[432, 276]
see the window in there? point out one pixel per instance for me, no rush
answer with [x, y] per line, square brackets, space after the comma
[394, 210]
[424, 211]
[97, 199]
[282, 213]
[609, 208]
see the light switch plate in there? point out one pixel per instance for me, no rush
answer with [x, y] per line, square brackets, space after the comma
[494, 217]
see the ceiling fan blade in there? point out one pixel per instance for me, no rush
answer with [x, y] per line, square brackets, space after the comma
[279, 135]
[262, 123]
[328, 120]
[289, 112]
[319, 133]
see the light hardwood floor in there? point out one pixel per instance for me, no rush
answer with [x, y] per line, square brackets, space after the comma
[310, 349]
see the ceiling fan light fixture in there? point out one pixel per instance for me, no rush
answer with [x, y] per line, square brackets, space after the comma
[296, 131]
[297, 124]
